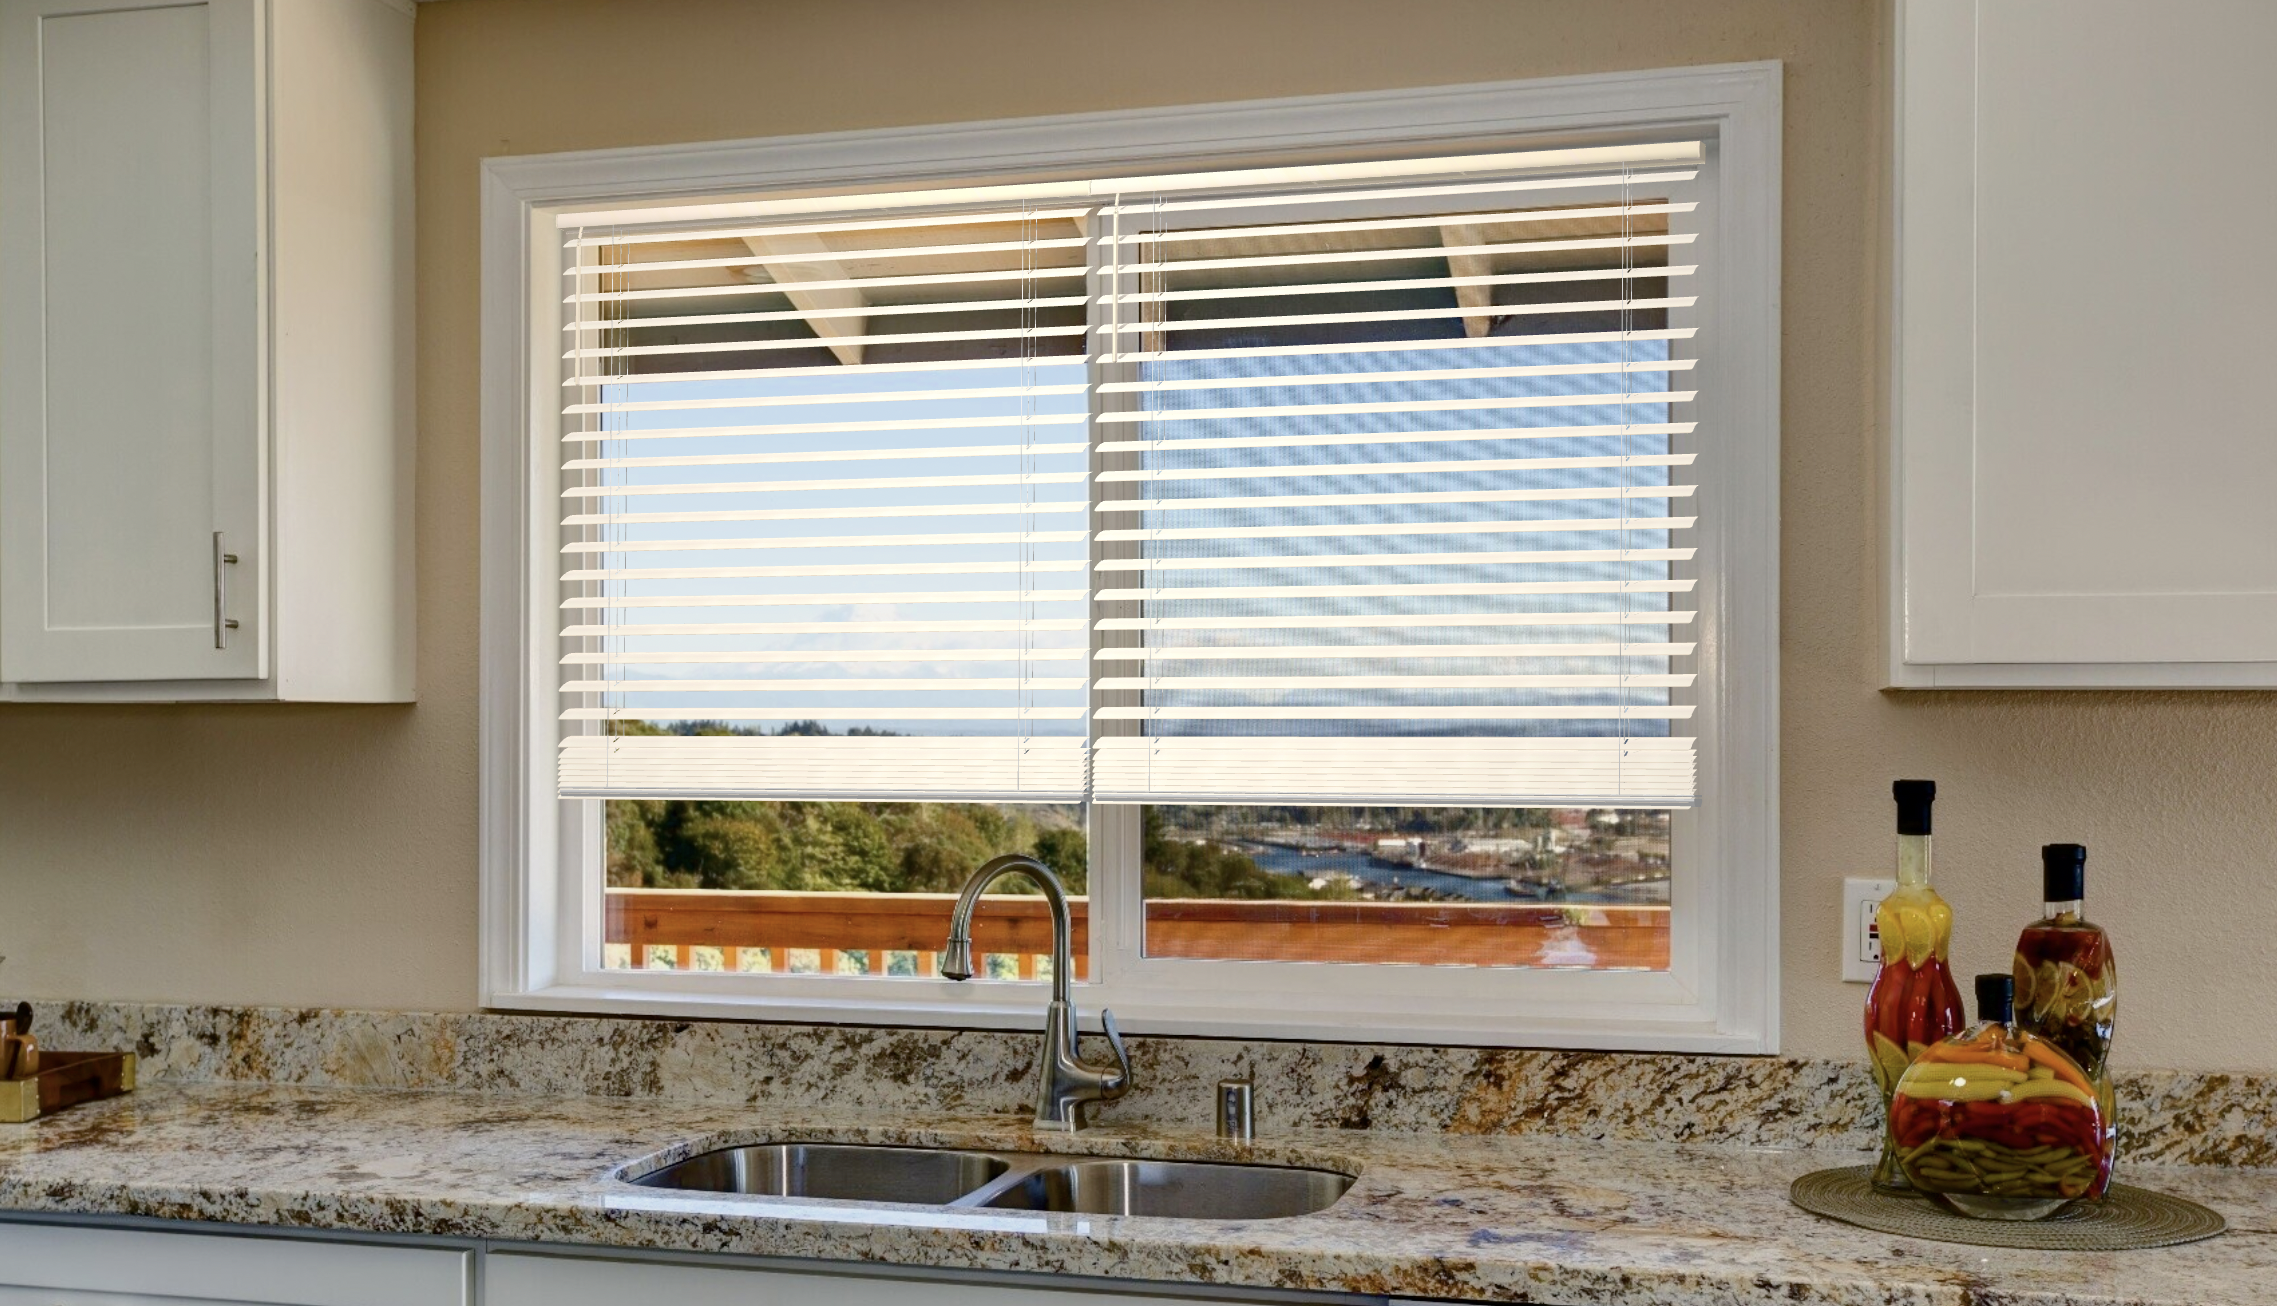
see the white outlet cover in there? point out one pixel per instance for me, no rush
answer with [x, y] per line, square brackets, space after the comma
[1861, 941]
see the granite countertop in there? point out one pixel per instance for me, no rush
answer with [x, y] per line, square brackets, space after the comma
[1507, 1219]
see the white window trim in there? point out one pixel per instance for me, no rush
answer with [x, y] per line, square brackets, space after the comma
[1722, 993]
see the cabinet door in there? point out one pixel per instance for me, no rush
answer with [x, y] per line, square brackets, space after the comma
[131, 377]
[2085, 448]
[74, 1265]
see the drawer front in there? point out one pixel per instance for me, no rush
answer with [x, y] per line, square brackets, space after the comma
[10, 1296]
[51, 1265]
[514, 1279]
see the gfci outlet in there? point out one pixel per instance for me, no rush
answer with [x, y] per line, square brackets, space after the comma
[1861, 939]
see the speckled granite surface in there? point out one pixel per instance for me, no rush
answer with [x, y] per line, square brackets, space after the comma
[2170, 1118]
[1532, 1219]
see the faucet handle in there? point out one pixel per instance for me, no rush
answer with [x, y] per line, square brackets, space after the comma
[1120, 1081]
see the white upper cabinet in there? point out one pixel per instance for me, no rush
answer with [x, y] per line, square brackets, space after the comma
[205, 388]
[2084, 450]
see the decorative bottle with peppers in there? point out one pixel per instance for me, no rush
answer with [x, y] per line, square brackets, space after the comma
[2067, 983]
[1914, 1002]
[1998, 1122]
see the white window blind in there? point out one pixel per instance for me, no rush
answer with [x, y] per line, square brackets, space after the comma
[1345, 484]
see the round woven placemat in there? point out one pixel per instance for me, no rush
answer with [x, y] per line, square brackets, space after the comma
[2127, 1219]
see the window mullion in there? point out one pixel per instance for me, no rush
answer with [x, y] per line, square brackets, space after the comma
[1116, 888]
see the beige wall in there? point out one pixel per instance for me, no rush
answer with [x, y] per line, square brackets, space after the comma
[326, 856]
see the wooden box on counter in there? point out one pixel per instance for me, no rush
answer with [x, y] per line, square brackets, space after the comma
[65, 1079]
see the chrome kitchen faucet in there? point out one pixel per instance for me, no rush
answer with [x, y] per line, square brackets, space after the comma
[1068, 1083]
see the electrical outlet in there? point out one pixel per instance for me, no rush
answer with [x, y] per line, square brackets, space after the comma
[1861, 938]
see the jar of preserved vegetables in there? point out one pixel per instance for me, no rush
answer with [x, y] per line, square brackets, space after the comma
[1999, 1123]
[2067, 982]
[1913, 1002]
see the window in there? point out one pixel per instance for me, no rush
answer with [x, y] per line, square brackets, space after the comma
[1348, 567]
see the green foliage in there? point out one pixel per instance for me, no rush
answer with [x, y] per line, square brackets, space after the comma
[1069, 853]
[903, 848]
[634, 857]
[833, 847]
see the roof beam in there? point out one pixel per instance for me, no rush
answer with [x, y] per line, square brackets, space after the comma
[1469, 265]
[823, 266]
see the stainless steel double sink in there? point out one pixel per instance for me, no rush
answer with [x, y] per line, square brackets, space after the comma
[1008, 1181]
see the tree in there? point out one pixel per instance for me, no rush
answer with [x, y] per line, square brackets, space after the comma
[721, 847]
[1068, 853]
[635, 861]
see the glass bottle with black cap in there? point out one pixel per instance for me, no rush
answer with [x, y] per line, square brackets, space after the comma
[1913, 1002]
[2067, 982]
[1999, 1123]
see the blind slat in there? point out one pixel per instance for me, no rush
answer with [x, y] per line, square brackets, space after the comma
[849, 599]
[1378, 500]
[925, 657]
[1431, 435]
[1468, 466]
[1642, 772]
[1400, 620]
[808, 712]
[849, 513]
[1348, 529]
[838, 483]
[896, 684]
[1016, 336]
[1173, 593]
[974, 568]
[904, 769]
[826, 542]
[961, 625]
[1400, 712]
[1479, 558]
[1407, 377]
[1267, 684]
[1309, 652]
[1402, 406]
[823, 456]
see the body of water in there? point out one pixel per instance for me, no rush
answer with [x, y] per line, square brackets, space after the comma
[1284, 861]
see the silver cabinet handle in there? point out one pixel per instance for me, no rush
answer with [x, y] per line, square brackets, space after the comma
[222, 623]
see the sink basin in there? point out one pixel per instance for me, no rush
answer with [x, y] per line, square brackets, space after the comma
[858, 1174]
[1189, 1190]
[1010, 1181]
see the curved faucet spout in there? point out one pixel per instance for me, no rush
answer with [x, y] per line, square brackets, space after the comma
[956, 959]
[1068, 1082]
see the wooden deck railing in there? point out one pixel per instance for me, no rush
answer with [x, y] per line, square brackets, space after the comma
[779, 931]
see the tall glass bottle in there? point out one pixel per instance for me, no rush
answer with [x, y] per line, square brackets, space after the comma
[1914, 1002]
[2067, 981]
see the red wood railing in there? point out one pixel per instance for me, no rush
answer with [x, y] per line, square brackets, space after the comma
[770, 929]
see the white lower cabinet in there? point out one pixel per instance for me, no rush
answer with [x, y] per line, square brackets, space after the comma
[57, 1265]
[517, 1279]
[85, 1265]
